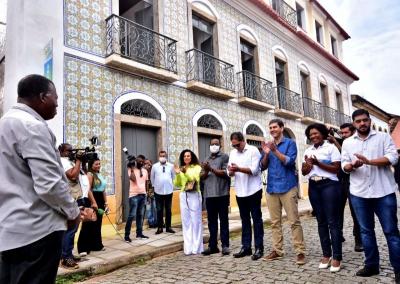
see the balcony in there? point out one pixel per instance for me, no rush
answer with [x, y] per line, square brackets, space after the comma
[312, 111]
[343, 118]
[289, 103]
[331, 116]
[209, 75]
[255, 92]
[137, 49]
[286, 12]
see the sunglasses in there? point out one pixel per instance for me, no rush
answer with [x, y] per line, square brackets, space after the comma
[236, 145]
[163, 169]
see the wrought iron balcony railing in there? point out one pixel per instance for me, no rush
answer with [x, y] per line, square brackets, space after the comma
[205, 68]
[331, 115]
[141, 44]
[285, 11]
[343, 118]
[254, 87]
[289, 100]
[312, 109]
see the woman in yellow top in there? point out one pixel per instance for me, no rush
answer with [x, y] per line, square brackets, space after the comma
[188, 180]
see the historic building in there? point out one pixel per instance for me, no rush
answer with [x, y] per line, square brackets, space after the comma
[152, 74]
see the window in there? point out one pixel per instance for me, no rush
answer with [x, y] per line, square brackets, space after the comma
[247, 56]
[324, 95]
[305, 85]
[139, 11]
[280, 72]
[334, 46]
[202, 34]
[300, 16]
[318, 32]
[339, 102]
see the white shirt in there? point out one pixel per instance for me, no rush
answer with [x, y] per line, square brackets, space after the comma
[161, 178]
[83, 179]
[327, 153]
[370, 181]
[246, 185]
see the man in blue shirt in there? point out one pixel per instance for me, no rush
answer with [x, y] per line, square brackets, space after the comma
[279, 157]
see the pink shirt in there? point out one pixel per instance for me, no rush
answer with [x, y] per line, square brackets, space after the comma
[138, 187]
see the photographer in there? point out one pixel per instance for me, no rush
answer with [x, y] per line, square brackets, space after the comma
[138, 177]
[79, 189]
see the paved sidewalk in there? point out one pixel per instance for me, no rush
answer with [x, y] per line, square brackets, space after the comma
[118, 253]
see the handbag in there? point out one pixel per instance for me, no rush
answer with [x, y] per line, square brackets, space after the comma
[75, 189]
[191, 186]
[88, 215]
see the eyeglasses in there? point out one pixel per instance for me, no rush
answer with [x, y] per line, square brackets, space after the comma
[236, 145]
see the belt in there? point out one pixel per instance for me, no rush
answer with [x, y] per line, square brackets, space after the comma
[318, 178]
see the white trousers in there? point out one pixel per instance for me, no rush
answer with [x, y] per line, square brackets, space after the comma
[192, 227]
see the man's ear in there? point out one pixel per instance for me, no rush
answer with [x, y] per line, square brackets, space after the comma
[42, 97]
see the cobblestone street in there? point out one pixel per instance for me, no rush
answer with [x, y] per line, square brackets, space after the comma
[177, 268]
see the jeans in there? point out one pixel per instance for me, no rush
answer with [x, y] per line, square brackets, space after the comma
[251, 205]
[68, 242]
[217, 207]
[151, 212]
[325, 198]
[137, 206]
[35, 263]
[163, 202]
[385, 209]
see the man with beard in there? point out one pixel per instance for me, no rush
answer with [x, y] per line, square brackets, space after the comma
[367, 156]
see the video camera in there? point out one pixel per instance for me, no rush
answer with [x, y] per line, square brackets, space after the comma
[131, 160]
[86, 154]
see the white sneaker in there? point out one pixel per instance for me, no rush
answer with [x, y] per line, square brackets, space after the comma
[324, 265]
[83, 254]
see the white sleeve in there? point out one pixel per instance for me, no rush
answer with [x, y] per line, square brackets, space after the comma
[66, 163]
[335, 154]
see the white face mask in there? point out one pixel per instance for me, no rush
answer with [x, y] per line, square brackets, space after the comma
[162, 160]
[214, 149]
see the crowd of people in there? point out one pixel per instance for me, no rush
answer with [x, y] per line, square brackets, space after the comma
[47, 192]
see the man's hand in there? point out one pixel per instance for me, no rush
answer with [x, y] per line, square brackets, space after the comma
[362, 158]
[331, 139]
[94, 206]
[73, 223]
[357, 163]
[233, 168]
[272, 146]
[206, 166]
[265, 147]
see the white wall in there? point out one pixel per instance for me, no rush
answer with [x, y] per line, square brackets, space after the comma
[30, 26]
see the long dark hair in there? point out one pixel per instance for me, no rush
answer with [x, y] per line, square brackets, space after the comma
[193, 160]
[96, 180]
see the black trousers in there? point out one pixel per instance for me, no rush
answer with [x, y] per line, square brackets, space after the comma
[163, 202]
[36, 263]
[217, 207]
[250, 208]
[356, 227]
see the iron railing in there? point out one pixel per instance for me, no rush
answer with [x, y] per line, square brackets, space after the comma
[331, 115]
[286, 12]
[205, 68]
[254, 87]
[141, 44]
[289, 100]
[344, 118]
[312, 109]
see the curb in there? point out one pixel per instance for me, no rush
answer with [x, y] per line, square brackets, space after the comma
[114, 264]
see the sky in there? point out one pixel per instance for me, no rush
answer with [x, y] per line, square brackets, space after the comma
[373, 51]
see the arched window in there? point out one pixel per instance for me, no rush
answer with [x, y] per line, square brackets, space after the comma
[254, 130]
[209, 121]
[140, 108]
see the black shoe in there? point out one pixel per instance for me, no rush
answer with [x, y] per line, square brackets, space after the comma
[209, 251]
[242, 253]
[127, 239]
[367, 272]
[259, 253]
[142, 237]
[397, 278]
[358, 247]
[159, 231]
[225, 251]
[169, 230]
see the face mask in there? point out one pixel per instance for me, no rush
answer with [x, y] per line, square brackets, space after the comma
[214, 149]
[162, 160]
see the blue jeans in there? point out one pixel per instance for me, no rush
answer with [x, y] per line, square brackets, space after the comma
[68, 242]
[385, 209]
[151, 212]
[325, 199]
[137, 206]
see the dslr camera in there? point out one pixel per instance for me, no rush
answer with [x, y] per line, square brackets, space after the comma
[86, 154]
[131, 160]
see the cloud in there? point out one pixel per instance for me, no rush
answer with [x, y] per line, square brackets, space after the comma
[373, 52]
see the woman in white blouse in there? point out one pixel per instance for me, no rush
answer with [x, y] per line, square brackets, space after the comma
[321, 165]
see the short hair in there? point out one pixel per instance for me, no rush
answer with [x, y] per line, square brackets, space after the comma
[320, 127]
[215, 138]
[162, 152]
[358, 112]
[193, 161]
[237, 136]
[349, 126]
[277, 121]
[62, 147]
[141, 157]
[32, 86]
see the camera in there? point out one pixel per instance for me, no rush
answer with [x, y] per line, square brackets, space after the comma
[86, 154]
[131, 160]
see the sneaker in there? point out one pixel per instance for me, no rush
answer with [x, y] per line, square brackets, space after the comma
[83, 254]
[76, 258]
[142, 237]
[273, 256]
[301, 259]
[127, 239]
[367, 272]
[225, 251]
[358, 247]
[69, 263]
[209, 251]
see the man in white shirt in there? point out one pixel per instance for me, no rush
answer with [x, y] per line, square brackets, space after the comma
[243, 164]
[367, 156]
[162, 175]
